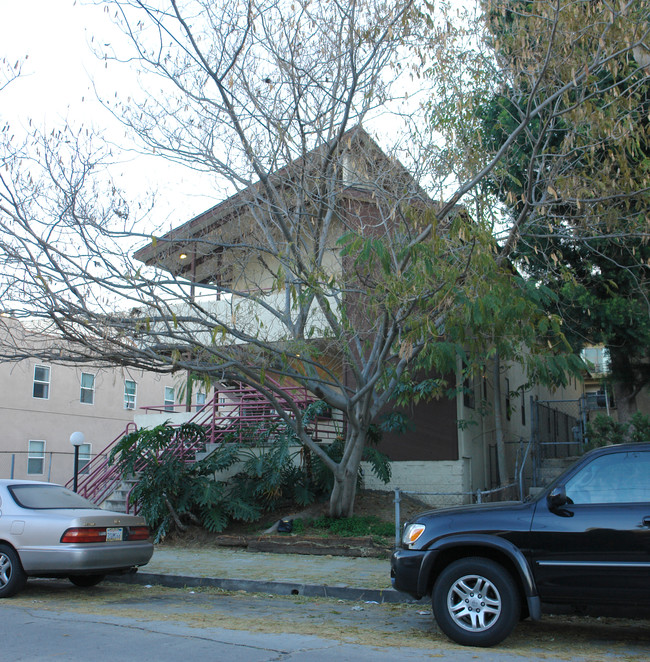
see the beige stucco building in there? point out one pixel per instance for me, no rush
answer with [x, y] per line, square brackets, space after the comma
[42, 403]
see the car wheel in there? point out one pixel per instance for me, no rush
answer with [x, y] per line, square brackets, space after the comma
[476, 602]
[86, 581]
[12, 575]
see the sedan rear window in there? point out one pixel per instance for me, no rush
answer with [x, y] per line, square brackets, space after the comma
[47, 497]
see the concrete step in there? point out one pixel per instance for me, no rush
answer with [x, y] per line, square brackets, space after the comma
[552, 467]
[117, 501]
[117, 506]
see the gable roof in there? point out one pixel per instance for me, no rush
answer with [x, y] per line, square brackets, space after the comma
[355, 150]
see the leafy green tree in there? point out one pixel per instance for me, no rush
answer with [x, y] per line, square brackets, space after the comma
[589, 165]
[560, 95]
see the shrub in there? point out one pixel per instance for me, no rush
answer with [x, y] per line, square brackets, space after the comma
[173, 492]
[355, 526]
[604, 430]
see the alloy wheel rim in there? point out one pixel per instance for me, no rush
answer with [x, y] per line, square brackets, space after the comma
[474, 603]
[5, 570]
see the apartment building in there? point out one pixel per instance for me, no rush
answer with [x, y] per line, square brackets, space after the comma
[43, 402]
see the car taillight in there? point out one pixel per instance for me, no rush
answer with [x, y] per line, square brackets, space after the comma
[86, 534]
[138, 533]
[98, 534]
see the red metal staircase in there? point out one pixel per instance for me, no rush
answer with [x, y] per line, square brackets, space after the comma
[227, 416]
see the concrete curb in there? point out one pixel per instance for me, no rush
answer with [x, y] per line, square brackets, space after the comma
[261, 586]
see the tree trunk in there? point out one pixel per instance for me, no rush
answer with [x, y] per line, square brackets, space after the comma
[345, 477]
[625, 398]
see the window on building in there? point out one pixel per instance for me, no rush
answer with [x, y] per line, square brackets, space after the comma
[129, 394]
[468, 393]
[170, 398]
[597, 359]
[200, 399]
[35, 457]
[87, 388]
[84, 458]
[508, 403]
[41, 382]
[523, 408]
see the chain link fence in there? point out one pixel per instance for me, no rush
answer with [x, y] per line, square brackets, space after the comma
[509, 492]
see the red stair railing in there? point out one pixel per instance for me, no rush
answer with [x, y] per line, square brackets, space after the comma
[229, 413]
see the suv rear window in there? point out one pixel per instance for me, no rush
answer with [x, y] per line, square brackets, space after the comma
[48, 497]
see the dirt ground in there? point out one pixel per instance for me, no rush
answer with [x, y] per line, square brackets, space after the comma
[368, 502]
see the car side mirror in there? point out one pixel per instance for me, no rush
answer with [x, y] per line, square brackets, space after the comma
[557, 498]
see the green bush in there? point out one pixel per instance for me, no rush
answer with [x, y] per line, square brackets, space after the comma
[639, 428]
[355, 526]
[604, 430]
[172, 492]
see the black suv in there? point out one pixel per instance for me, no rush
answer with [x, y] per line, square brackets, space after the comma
[584, 541]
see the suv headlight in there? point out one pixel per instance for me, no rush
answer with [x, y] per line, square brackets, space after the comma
[411, 534]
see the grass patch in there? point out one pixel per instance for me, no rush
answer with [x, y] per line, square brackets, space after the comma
[356, 526]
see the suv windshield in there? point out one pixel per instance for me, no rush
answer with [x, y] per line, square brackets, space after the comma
[47, 497]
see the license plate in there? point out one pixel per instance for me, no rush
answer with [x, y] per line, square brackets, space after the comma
[114, 534]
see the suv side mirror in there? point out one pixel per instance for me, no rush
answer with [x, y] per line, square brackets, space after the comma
[557, 498]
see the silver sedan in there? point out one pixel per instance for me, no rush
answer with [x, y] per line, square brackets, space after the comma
[47, 530]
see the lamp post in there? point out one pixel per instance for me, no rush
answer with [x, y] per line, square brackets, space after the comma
[76, 439]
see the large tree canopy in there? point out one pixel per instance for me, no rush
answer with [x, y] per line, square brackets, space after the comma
[327, 264]
[587, 170]
[561, 92]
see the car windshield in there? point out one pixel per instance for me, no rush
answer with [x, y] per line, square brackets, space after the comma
[47, 497]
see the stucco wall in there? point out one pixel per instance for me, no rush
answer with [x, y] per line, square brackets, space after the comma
[445, 480]
[25, 418]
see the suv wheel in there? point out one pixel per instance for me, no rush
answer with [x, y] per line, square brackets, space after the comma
[476, 602]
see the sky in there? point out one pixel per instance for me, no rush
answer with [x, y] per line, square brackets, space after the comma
[56, 86]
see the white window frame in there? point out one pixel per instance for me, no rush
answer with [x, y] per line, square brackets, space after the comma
[85, 455]
[201, 399]
[597, 358]
[130, 398]
[170, 401]
[87, 389]
[36, 455]
[42, 382]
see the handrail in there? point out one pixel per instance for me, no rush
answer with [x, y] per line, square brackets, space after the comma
[101, 477]
[229, 411]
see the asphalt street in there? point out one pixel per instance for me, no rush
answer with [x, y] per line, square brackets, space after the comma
[53, 620]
